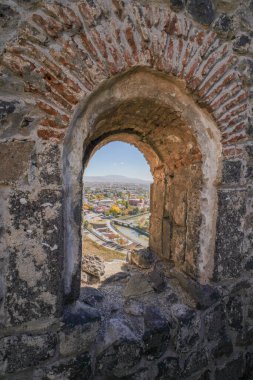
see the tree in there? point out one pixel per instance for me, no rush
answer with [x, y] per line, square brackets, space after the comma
[115, 210]
[135, 210]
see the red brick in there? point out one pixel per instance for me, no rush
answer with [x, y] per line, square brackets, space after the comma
[50, 134]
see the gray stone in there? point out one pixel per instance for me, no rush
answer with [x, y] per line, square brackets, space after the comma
[224, 26]
[116, 331]
[215, 317]
[79, 338]
[75, 368]
[249, 173]
[93, 265]
[24, 351]
[196, 361]
[34, 257]
[143, 258]
[6, 107]
[245, 337]
[134, 307]
[118, 350]
[177, 5]
[48, 164]
[233, 370]
[249, 148]
[229, 237]
[157, 280]
[242, 43]
[120, 276]
[80, 314]
[204, 295]
[231, 172]
[91, 295]
[15, 155]
[248, 374]
[156, 332]
[234, 311]
[169, 369]
[137, 285]
[186, 327]
[223, 347]
[201, 10]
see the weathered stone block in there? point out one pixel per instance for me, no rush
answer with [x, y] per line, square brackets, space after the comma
[91, 295]
[49, 160]
[156, 332]
[232, 208]
[223, 347]
[24, 351]
[37, 222]
[245, 337]
[169, 369]
[249, 171]
[201, 10]
[15, 159]
[203, 295]
[6, 108]
[249, 366]
[233, 370]
[185, 328]
[224, 26]
[118, 350]
[242, 43]
[77, 339]
[215, 317]
[231, 172]
[195, 362]
[234, 312]
[75, 368]
[80, 314]
[177, 5]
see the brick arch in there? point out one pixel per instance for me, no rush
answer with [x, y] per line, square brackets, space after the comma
[71, 49]
[156, 114]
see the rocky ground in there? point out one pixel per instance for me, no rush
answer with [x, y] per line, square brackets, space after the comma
[134, 305]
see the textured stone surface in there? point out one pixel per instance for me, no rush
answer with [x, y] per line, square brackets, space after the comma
[201, 10]
[174, 78]
[137, 285]
[26, 350]
[93, 265]
[229, 233]
[232, 370]
[143, 258]
[78, 367]
[15, 159]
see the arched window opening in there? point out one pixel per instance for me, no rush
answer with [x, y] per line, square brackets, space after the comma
[115, 211]
[182, 147]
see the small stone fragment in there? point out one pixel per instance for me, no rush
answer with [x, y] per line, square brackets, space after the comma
[143, 258]
[93, 265]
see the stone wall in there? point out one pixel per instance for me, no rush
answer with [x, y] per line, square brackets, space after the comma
[65, 68]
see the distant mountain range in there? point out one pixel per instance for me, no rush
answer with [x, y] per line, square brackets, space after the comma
[115, 179]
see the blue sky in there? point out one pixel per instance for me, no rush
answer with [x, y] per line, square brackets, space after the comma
[119, 158]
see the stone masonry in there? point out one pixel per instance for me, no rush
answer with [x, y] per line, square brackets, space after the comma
[175, 79]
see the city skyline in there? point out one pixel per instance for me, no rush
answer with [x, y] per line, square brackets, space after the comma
[118, 158]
